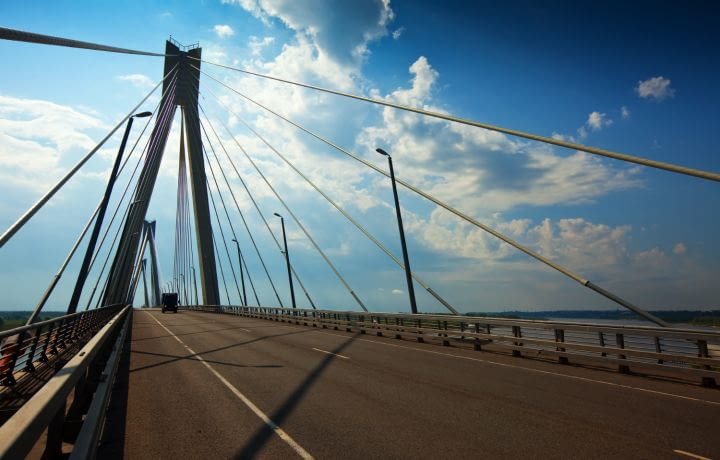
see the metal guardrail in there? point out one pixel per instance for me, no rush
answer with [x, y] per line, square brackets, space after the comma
[689, 353]
[46, 410]
[26, 349]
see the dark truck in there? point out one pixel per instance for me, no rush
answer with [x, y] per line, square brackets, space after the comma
[169, 302]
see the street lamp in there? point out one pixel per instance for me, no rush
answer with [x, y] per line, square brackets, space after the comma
[195, 284]
[84, 268]
[287, 260]
[406, 259]
[242, 277]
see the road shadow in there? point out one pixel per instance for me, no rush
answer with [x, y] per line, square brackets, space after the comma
[193, 355]
[261, 436]
[189, 333]
[193, 358]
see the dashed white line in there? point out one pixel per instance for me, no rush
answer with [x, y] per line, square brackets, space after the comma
[278, 431]
[330, 353]
[690, 454]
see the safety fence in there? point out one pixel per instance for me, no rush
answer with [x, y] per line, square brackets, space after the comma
[673, 352]
[77, 393]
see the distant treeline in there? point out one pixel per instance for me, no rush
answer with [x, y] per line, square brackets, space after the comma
[706, 317]
[13, 319]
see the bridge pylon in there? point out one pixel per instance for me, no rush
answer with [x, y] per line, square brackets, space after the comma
[179, 90]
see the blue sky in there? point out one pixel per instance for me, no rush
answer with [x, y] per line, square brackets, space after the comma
[639, 78]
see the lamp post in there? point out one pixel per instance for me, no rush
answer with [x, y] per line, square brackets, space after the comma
[406, 259]
[195, 284]
[82, 274]
[242, 277]
[287, 260]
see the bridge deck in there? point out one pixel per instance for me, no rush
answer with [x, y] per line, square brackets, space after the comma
[199, 384]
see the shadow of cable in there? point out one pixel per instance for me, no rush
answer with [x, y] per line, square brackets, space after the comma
[192, 355]
[189, 333]
[261, 437]
[192, 358]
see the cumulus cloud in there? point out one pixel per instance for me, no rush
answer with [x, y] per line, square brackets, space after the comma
[139, 80]
[334, 28]
[398, 291]
[397, 33]
[624, 112]
[680, 249]
[655, 88]
[597, 121]
[223, 31]
[481, 169]
[257, 45]
[36, 135]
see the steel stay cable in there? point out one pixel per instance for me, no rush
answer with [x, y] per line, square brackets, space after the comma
[535, 137]
[585, 282]
[350, 218]
[247, 228]
[222, 201]
[49, 194]
[51, 287]
[304, 230]
[30, 37]
[161, 122]
[217, 252]
[247, 190]
[227, 215]
[232, 194]
[132, 150]
[56, 278]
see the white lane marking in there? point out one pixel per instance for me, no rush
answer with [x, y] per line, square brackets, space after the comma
[690, 454]
[529, 369]
[330, 353]
[278, 431]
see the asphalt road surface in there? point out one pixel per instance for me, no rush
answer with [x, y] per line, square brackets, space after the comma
[203, 385]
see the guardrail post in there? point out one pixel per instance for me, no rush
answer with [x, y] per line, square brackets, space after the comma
[43, 354]
[658, 348]
[601, 339]
[446, 343]
[477, 344]
[517, 332]
[560, 337]
[347, 326]
[29, 364]
[620, 340]
[703, 353]
[419, 331]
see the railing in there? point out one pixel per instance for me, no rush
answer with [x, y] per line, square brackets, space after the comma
[47, 412]
[689, 353]
[27, 349]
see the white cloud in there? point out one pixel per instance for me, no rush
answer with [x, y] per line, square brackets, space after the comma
[397, 33]
[655, 88]
[680, 249]
[35, 137]
[398, 291]
[139, 80]
[624, 112]
[223, 31]
[483, 170]
[597, 121]
[257, 45]
[343, 35]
